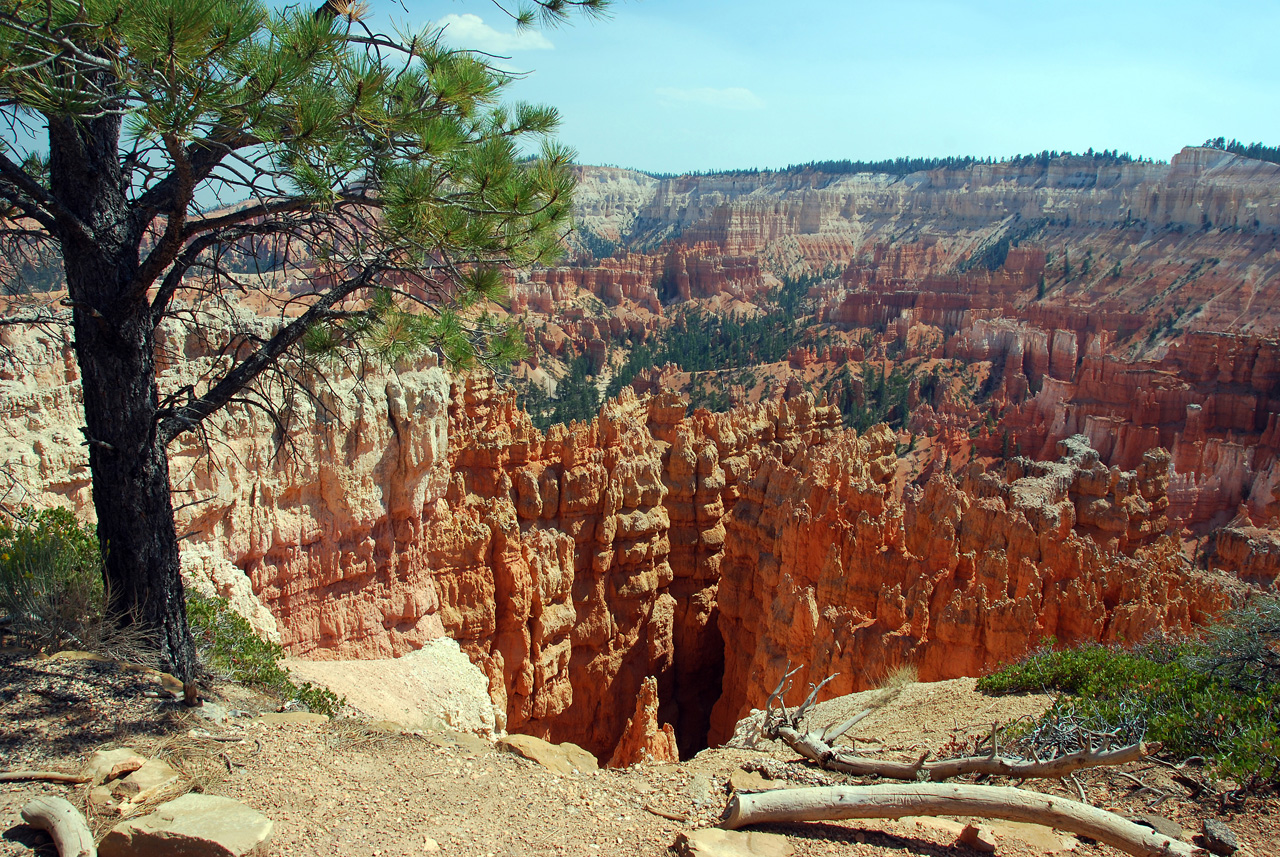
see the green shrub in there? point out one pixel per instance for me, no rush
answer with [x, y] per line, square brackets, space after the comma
[51, 578]
[1218, 698]
[229, 647]
[51, 594]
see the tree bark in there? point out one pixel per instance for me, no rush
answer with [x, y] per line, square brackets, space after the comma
[115, 348]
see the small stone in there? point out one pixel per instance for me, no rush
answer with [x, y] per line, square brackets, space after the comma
[147, 780]
[106, 765]
[978, 837]
[563, 758]
[1218, 838]
[100, 798]
[194, 825]
[1164, 826]
[211, 711]
[430, 845]
[303, 718]
[749, 781]
[714, 842]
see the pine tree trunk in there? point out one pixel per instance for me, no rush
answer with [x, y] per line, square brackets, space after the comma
[131, 486]
[115, 347]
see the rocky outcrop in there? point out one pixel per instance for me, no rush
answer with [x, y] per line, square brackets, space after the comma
[702, 551]
[1250, 553]
[1135, 303]
[826, 570]
[694, 554]
[551, 561]
[642, 739]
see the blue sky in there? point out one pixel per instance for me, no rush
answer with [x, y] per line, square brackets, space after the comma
[711, 84]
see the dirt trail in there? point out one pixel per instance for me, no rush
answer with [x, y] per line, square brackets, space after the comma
[344, 788]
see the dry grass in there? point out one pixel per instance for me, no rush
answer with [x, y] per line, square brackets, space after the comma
[899, 677]
[349, 733]
[202, 765]
[894, 682]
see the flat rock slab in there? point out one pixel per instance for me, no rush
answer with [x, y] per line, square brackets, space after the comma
[714, 842]
[563, 758]
[750, 781]
[74, 655]
[146, 780]
[1218, 838]
[1165, 826]
[193, 825]
[464, 741]
[106, 765]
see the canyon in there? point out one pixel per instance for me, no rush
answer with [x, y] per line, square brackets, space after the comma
[1089, 455]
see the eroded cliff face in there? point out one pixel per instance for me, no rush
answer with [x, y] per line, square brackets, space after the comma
[1135, 303]
[696, 553]
[1194, 239]
[682, 560]
[313, 534]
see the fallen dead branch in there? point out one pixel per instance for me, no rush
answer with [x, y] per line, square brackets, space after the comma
[662, 813]
[786, 726]
[897, 800]
[42, 776]
[64, 824]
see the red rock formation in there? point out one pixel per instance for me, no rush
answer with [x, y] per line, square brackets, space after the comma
[705, 551]
[702, 550]
[1250, 553]
[642, 739]
[824, 569]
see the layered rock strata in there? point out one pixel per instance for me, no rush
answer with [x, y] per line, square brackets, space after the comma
[701, 551]
[1136, 303]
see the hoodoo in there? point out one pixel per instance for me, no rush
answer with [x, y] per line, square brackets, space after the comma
[1082, 447]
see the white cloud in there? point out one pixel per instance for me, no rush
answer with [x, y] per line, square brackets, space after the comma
[470, 32]
[731, 98]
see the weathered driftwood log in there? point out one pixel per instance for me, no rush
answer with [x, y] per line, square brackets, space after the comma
[64, 823]
[43, 776]
[812, 747]
[785, 726]
[897, 800]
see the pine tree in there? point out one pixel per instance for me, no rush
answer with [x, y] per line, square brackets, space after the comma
[187, 142]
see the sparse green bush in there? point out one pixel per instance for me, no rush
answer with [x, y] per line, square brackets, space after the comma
[1218, 698]
[51, 578]
[51, 594]
[228, 646]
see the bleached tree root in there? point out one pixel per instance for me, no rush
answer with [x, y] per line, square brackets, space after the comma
[812, 747]
[42, 776]
[899, 800]
[783, 725]
[64, 823]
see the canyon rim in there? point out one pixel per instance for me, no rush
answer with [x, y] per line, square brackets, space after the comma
[1084, 448]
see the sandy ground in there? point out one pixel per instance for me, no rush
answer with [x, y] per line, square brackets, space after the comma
[434, 687]
[344, 788]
